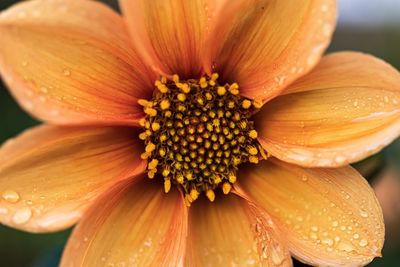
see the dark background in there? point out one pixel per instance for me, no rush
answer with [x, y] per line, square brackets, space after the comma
[18, 249]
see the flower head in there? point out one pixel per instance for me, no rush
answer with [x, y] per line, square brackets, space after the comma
[229, 101]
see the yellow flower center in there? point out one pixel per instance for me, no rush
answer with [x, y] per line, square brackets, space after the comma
[197, 133]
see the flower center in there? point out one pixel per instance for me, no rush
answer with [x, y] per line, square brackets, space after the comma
[197, 133]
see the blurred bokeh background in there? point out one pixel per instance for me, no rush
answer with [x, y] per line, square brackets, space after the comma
[371, 26]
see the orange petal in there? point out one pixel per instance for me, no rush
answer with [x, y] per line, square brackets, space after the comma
[70, 62]
[49, 175]
[330, 217]
[232, 232]
[346, 109]
[387, 190]
[265, 45]
[171, 33]
[131, 225]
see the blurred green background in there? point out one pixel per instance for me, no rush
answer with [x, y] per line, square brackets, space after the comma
[370, 26]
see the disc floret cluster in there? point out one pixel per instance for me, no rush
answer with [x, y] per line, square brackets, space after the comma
[197, 133]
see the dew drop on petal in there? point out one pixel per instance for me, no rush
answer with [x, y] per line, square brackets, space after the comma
[22, 216]
[363, 213]
[10, 196]
[327, 241]
[67, 72]
[363, 242]
[344, 246]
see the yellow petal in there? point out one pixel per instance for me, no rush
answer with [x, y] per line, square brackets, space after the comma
[330, 217]
[265, 45]
[170, 34]
[131, 225]
[70, 62]
[346, 109]
[233, 232]
[50, 175]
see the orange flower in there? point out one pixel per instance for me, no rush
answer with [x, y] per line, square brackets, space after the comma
[74, 65]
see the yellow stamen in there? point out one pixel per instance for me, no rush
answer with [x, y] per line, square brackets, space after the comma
[185, 88]
[194, 194]
[167, 185]
[253, 134]
[234, 89]
[210, 195]
[221, 90]
[155, 126]
[175, 78]
[165, 104]
[246, 104]
[252, 150]
[214, 76]
[257, 103]
[179, 178]
[150, 147]
[181, 97]
[150, 111]
[151, 173]
[144, 103]
[253, 159]
[189, 176]
[145, 155]
[152, 164]
[142, 122]
[217, 179]
[232, 178]
[263, 155]
[166, 172]
[143, 136]
[226, 188]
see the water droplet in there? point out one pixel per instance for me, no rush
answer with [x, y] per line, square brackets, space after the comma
[335, 223]
[344, 246]
[363, 213]
[22, 216]
[327, 241]
[340, 159]
[11, 196]
[386, 99]
[43, 90]
[148, 243]
[356, 236]
[313, 236]
[314, 228]
[363, 242]
[67, 72]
